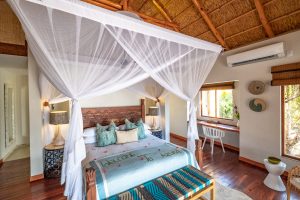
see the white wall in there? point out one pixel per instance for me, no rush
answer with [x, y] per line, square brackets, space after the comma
[35, 118]
[178, 115]
[119, 98]
[13, 70]
[260, 133]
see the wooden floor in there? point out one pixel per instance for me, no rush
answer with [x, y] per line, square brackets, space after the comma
[14, 178]
[230, 172]
[14, 183]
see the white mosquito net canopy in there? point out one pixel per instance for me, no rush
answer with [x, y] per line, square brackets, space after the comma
[88, 51]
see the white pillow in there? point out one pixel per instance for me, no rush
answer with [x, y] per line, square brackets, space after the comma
[146, 126]
[127, 136]
[89, 140]
[122, 127]
[89, 132]
[148, 132]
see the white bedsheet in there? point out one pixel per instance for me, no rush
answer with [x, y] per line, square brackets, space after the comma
[95, 153]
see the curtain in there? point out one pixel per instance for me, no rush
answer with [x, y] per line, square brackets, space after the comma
[179, 68]
[81, 59]
[51, 95]
[87, 51]
[151, 90]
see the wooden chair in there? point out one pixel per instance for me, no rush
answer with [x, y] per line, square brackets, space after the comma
[293, 181]
[212, 134]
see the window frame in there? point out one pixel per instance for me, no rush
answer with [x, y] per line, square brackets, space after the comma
[201, 113]
[282, 127]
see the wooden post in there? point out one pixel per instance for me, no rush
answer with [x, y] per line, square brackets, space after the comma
[263, 18]
[143, 109]
[208, 21]
[199, 153]
[91, 184]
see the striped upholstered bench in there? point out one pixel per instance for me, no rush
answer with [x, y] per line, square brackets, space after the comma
[185, 183]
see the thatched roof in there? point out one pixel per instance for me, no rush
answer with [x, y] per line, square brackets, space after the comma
[231, 23]
[237, 21]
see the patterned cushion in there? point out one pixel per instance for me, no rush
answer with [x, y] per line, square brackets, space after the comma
[139, 124]
[179, 184]
[106, 135]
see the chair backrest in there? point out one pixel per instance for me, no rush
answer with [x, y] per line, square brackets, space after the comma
[212, 132]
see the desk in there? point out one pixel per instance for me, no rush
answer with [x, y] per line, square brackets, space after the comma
[223, 127]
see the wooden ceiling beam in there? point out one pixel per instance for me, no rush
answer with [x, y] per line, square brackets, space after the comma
[263, 18]
[162, 11]
[110, 3]
[102, 5]
[125, 4]
[210, 24]
[13, 49]
[148, 18]
[115, 7]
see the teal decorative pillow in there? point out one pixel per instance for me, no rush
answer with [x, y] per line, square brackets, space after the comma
[139, 124]
[129, 125]
[106, 135]
[100, 127]
[112, 126]
[141, 130]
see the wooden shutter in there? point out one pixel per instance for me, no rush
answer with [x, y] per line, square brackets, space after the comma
[286, 74]
[218, 86]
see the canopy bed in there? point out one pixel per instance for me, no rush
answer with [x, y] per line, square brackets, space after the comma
[86, 51]
[106, 177]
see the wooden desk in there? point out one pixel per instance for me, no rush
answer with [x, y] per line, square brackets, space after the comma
[223, 127]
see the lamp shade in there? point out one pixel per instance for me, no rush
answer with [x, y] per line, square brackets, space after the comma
[153, 111]
[59, 117]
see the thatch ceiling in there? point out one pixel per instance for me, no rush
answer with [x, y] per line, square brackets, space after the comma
[237, 22]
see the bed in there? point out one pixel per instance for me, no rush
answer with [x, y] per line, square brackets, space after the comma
[112, 169]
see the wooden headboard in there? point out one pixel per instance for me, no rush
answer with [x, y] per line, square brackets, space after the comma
[104, 115]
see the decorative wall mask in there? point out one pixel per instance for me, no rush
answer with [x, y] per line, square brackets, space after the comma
[257, 105]
[256, 87]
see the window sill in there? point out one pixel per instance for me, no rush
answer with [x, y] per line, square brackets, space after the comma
[290, 157]
[220, 126]
[214, 120]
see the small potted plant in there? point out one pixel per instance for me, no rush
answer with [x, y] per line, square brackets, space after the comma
[236, 115]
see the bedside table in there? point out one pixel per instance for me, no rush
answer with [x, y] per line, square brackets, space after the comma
[156, 133]
[53, 159]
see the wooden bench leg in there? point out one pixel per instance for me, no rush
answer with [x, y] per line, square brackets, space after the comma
[212, 192]
[91, 184]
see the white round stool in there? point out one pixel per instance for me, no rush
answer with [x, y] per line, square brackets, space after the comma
[273, 180]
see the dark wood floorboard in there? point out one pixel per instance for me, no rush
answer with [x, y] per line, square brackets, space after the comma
[229, 171]
[14, 178]
[15, 185]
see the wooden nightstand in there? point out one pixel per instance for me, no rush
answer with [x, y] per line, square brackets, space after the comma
[53, 159]
[157, 133]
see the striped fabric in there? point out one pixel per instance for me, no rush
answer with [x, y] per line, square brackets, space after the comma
[179, 184]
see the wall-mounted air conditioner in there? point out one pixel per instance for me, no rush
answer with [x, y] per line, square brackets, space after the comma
[257, 55]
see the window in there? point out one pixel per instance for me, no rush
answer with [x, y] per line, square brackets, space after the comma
[291, 120]
[217, 101]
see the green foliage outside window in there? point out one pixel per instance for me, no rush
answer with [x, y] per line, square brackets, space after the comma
[225, 105]
[292, 119]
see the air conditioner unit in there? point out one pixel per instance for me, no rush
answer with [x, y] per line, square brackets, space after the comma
[257, 55]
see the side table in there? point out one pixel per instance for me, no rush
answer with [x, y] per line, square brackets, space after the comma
[273, 180]
[157, 133]
[53, 159]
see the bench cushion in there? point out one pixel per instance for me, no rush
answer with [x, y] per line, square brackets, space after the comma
[179, 184]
